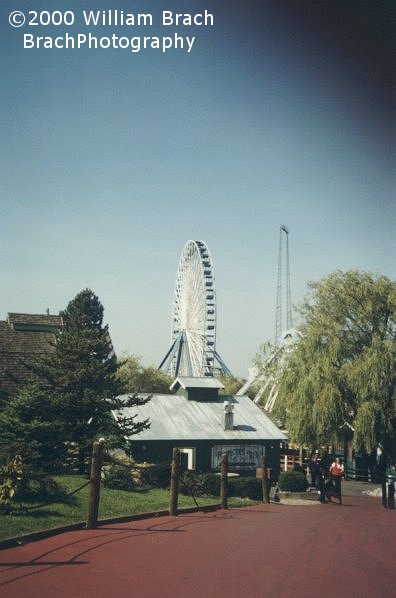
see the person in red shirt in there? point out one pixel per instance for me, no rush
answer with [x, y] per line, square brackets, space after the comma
[336, 473]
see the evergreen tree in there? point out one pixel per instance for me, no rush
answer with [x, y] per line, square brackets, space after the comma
[31, 430]
[80, 378]
[340, 379]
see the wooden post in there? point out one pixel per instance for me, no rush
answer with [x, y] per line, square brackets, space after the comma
[94, 484]
[223, 480]
[174, 485]
[265, 481]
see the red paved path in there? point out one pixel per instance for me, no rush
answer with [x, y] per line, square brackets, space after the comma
[271, 551]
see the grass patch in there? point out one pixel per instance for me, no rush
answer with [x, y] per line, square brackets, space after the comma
[113, 503]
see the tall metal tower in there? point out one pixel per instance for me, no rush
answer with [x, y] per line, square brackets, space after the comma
[266, 376]
[282, 293]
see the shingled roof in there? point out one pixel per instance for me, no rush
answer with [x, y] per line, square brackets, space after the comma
[22, 337]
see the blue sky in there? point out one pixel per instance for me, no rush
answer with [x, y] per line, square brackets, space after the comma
[112, 160]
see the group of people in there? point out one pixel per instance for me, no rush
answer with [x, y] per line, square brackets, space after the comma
[328, 483]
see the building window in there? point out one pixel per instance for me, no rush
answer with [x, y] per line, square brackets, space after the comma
[240, 456]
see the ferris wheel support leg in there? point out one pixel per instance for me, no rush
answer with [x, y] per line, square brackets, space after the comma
[226, 370]
[165, 359]
[179, 354]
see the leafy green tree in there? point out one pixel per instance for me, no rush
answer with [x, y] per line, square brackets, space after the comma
[231, 385]
[80, 379]
[135, 378]
[339, 381]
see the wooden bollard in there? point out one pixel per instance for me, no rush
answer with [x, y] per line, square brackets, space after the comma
[94, 484]
[223, 481]
[174, 485]
[265, 481]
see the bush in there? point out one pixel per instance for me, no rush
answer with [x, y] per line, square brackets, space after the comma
[117, 477]
[292, 481]
[156, 475]
[211, 484]
[192, 484]
[200, 484]
[245, 487]
[18, 482]
[39, 487]
[208, 484]
[13, 476]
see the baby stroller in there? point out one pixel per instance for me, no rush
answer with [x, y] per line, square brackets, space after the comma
[331, 491]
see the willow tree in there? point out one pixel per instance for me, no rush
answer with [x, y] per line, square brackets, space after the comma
[340, 379]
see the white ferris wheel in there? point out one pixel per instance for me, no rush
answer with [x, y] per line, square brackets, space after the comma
[193, 342]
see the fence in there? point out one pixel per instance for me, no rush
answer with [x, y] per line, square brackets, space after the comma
[95, 483]
[169, 475]
[97, 461]
[174, 480]
[289, 460]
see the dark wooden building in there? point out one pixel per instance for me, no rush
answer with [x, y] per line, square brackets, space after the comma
[22, 338]
[204, 424]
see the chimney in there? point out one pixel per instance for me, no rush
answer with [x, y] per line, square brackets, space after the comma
[228, 415]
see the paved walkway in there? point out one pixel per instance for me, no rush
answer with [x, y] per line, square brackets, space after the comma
[271, 551]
